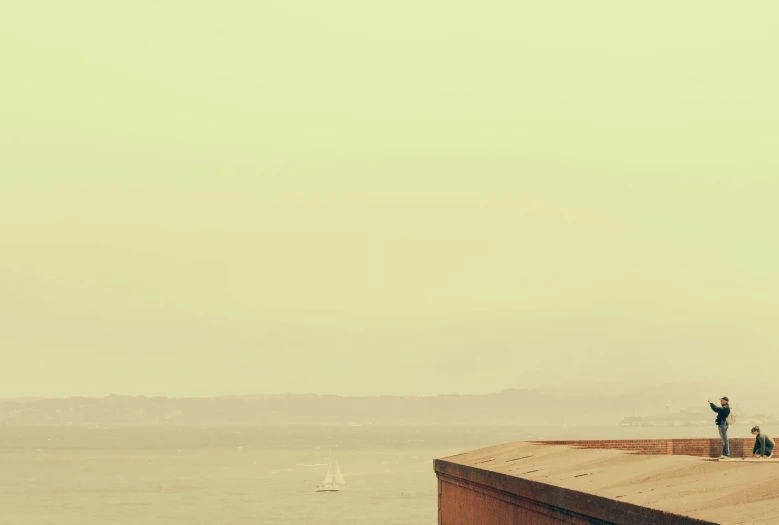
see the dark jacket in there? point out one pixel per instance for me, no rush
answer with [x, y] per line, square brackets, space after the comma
[763, 445]
[722, 413]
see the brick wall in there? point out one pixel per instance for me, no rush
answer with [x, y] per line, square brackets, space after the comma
[473, 496]
[739, 447]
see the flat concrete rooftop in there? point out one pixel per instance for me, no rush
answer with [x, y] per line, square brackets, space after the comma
[598, 485]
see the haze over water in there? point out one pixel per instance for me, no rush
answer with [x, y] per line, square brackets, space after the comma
[207, 199]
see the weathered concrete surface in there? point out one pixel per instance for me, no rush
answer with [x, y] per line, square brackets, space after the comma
[546, 484]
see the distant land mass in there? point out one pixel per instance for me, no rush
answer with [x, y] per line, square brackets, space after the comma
[515, 407]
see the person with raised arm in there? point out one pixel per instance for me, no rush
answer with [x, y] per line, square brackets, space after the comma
[723, 414]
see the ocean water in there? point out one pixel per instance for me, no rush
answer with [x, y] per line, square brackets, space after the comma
[238, 475]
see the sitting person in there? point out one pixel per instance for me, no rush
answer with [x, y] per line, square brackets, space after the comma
[764, 445]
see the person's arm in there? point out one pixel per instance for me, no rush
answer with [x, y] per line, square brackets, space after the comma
[761, 438]
[757, 444]
[715, 407]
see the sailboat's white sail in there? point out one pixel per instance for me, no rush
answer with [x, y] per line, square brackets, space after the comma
[329, 476]
[339, 477]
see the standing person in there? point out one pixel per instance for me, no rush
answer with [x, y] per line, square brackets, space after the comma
[723, 411]
[764, 445]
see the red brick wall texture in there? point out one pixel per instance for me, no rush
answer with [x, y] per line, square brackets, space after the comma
[707, 448]
[468, 496]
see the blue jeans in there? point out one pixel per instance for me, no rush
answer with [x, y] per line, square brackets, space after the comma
[723, 433]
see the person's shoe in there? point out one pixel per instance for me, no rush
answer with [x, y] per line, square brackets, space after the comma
[724, 457]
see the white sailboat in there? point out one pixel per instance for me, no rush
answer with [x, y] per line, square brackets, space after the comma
[332, 483]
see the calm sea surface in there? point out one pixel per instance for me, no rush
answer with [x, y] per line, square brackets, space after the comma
[238, 475]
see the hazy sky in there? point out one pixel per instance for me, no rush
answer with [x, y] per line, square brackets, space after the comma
[414, 197]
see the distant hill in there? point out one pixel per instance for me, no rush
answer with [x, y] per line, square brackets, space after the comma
[506, 408]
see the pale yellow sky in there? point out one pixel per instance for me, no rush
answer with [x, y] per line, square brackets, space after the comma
[357, 197]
